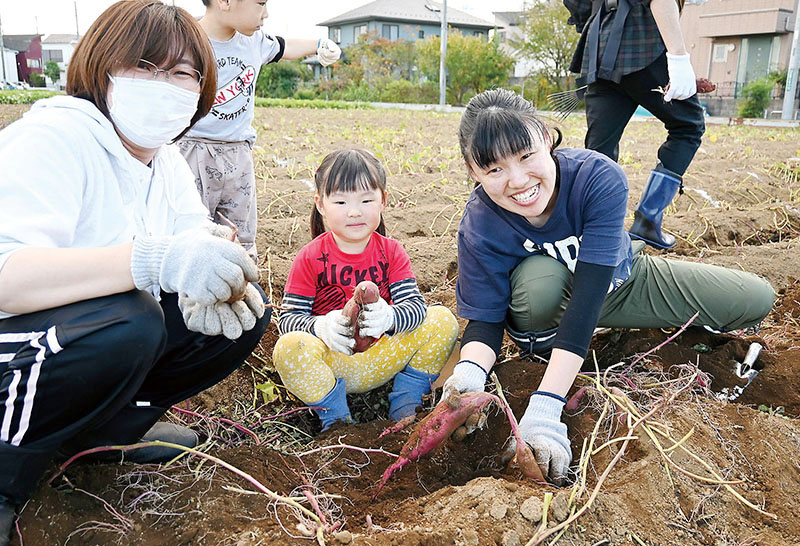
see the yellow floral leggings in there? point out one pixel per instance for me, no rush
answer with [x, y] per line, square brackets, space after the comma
[309, 369]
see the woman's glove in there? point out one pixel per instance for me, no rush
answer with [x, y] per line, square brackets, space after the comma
[335, 330]
[682, 81]
[467, 376]
[218, 230]
[204, 268]
[542, 429]
[327, 51]
[228, 319]
[375, 319]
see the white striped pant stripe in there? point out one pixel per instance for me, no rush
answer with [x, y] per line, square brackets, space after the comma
[34, 338]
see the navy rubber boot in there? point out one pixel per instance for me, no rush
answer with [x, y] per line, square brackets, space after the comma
[336, 404]
[658, 193]
[409, 387]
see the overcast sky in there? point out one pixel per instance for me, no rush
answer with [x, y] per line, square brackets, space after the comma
[288, 18]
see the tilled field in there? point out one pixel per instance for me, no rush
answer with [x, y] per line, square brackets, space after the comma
[697, 470]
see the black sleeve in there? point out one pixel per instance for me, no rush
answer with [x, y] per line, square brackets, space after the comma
[488, 333]
[589, 288]
[279, 56]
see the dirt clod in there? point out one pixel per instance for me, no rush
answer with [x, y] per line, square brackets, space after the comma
[558, 506]
[498, 510]
[511, 538]
[531, 509]
[470, 537]
[343, 537]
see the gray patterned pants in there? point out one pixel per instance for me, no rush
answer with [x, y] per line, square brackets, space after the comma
[225, 178]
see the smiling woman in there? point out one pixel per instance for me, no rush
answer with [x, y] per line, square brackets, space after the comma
[543, 253]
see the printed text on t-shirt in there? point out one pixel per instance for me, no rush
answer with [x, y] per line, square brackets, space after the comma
[235, 87]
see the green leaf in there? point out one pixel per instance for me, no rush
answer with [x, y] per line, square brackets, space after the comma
[702, 348]
[269, 391]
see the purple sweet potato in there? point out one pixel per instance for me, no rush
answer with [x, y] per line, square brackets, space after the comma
[365, 292]
[445, 418]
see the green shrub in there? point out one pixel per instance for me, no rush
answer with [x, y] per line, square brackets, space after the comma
[24, 96]
[316, 103]
[756, 97]
[305, 94]
[280, 80]
[405, 91]
[36, 79]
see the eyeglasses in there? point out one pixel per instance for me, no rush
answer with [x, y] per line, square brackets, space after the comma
[181, 75]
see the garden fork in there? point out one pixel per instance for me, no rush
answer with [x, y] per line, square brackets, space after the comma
[564, 103]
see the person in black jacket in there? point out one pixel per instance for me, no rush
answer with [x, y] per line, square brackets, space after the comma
[631, 53]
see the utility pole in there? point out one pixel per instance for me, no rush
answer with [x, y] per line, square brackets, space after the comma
[2, 49]
[443, 56]
[77, 29]
[787, 112]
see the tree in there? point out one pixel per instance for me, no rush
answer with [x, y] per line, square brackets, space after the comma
[548, 41]
[52, 71]
[369, 66]
[36, 79]
[280, 80]
[473, 64]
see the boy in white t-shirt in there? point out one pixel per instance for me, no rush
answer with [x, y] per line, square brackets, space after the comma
[218, 148]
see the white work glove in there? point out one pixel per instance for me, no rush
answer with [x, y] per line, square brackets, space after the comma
[542, 429]
[467, 376]
[327, 51]
[218, 230]
[375, 319]
[228, 319]
[335, 330]
[682, 81]
[204, 268]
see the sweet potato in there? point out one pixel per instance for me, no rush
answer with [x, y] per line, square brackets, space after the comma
[705, 86]
[445, 418]
[365, 292]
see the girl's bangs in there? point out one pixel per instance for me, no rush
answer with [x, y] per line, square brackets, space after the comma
[350, 172]
[499, 134]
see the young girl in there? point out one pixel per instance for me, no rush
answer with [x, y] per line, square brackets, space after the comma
[314, 354]
[543, 254]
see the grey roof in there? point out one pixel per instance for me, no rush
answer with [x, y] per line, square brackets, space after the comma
[59, 38]
[413, 11]
[510, 17]
[20, 42]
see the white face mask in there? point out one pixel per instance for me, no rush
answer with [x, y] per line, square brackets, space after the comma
[148, 112]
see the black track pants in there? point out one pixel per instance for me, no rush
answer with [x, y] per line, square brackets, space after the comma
[99, 372]
[609, 107]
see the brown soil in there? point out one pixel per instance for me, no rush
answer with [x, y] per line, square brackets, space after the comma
[462, 494]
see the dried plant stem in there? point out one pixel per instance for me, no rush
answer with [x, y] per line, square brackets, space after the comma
[234, 424]
[657, 347]
[542, 534]
[726, 483]
[345, 446]
[241, 473]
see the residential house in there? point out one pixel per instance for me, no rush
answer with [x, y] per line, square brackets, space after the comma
[401, 20]
[734, 42]
[398, 20]
[8, 64]
[59, 48]
[507, 30]
[29, 56]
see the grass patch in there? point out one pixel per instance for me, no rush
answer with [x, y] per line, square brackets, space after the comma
[25, 96]
[312, 103]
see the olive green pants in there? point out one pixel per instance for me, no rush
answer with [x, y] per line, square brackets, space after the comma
[659, 293]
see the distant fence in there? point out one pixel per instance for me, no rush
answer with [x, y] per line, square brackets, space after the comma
[733, 90]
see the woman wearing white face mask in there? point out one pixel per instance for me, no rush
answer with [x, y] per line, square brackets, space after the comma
[102, 229]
